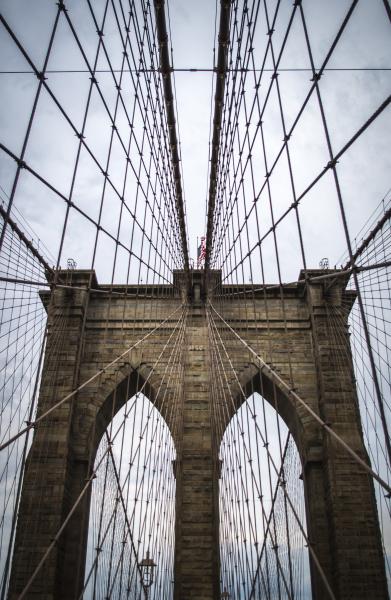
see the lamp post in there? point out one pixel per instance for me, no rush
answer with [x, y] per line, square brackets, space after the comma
[147, 567]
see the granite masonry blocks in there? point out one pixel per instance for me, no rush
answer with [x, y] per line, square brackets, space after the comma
[341, 511]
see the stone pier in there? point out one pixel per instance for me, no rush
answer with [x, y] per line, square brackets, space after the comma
[293, 335]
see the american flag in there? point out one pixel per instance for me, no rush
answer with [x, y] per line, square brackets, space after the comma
[201, 252]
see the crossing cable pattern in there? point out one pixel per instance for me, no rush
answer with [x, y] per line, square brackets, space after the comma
[259, 222]
[261, 517]
[112, 196]
[134, 490]
[371, 247]
[114, 201]
[23, 326]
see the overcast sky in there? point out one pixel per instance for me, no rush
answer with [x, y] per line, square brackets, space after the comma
[350, 97]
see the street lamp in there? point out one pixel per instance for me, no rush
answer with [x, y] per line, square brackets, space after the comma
[147, 567]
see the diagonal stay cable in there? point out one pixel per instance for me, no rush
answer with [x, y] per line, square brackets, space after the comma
[93, 474]
[64, 524]
[121, 496]
[29, 245]
[309, 187]
[242, 481]
[370, 237]
[291, 393]
[22, 164]
[86, 383]
[276, 469]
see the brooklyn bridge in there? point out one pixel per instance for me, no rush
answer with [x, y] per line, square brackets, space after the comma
[195, 252]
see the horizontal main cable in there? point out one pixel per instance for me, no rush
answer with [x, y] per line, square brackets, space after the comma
[198, 70]
[221, 70]
[165, 69]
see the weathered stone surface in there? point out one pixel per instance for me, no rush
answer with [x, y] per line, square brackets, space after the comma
[290, 330]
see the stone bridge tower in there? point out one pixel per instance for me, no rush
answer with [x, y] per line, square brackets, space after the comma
[340, 502]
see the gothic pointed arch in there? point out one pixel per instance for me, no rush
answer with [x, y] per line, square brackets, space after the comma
[262, 505]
